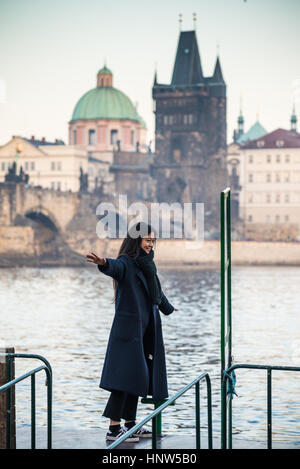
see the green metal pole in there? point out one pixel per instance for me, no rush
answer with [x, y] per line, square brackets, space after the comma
[209, 413]
[269, 398]
[32, 411]
[158, 418]
[8, 404]
[154, 426]
[197, 411]
[223, 414]
[49, 405]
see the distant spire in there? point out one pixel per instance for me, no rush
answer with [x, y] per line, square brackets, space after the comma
[195, 21]
[155, 75]
[180, 21]
[294, 120]
[241, 119]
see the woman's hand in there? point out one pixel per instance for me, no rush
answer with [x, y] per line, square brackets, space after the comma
[175, 309]
[92, 257]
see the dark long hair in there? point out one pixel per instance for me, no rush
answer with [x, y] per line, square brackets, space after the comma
[130, 246]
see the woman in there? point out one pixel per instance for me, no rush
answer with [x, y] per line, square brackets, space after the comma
[134, 363]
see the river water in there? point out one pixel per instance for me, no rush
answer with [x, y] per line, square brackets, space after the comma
[65, 314]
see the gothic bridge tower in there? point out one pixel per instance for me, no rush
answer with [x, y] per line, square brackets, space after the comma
[190, 132]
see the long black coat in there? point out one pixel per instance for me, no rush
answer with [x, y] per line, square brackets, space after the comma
[127, 366]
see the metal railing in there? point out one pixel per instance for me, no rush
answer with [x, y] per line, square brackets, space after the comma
[10, 383]
[156, 412]
[227, 376]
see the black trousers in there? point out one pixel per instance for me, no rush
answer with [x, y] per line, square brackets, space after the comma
[121, 405]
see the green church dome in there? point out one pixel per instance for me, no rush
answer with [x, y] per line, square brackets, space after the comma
[105, 70]
[105, 103]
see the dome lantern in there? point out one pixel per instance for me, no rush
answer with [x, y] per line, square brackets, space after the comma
[104, 78]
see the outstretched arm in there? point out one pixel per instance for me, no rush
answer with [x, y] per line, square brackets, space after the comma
[115, 268]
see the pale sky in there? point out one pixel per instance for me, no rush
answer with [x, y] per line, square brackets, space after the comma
[51, 50]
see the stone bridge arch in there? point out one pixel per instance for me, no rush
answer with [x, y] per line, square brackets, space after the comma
[44, 216]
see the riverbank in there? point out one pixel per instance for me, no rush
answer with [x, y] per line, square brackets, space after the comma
[168, 253]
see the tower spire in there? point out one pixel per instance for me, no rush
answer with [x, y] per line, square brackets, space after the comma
[195, 21]
[187, 68]
[294, 119]
[180, 21]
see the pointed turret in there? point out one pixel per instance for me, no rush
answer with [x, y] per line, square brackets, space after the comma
[218, 76]
[187, 68]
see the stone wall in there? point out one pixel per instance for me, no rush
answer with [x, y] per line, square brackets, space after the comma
[17, 240]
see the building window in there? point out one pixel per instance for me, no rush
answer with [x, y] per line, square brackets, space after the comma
[250, 198]
[268, 218]
[52, 185]
[277, 218]
[287, 198]
[279, 143]
[165, 120]
[74, 136]
[250, 178]
[250, 159]
[287, 158]
[268, 198]
[92, 137]
[268, 177]
[59, 165]
[3, 166]
[53, 165]
[277, 198]
[286, 177]
[260, 143]
[250, 219]
[269, 158]
[113, 136]
[26, 166]
[277, 177]
[286, 218]
[277, 158]
[132, 137]
[32, 166]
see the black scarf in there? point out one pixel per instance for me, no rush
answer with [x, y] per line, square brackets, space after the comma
[146, 263]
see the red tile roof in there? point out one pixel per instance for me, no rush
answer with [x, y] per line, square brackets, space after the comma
[279, 138]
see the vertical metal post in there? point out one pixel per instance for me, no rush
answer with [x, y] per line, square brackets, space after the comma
[222, 282]
[49, 407]
[8, 404]
[223, 414]
[209, 413]
[32, 411]
[158, 418]
[229, 321]
[197, 411]
[230, 423]
[154, 423]
[269, 398]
